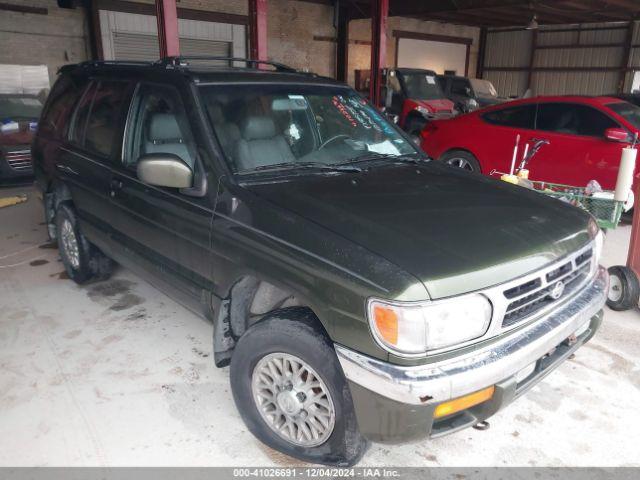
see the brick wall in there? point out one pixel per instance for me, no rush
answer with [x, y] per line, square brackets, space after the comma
[292, 26]
[238, 7]
[54, 39]
[299, 34]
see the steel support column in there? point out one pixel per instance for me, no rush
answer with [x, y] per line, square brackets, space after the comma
[167, 17]
[342, 44]
[258, 29]
[482, 50]
[379, 16]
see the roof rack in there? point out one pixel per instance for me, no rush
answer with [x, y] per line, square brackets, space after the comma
[183, 61]
[95, 63]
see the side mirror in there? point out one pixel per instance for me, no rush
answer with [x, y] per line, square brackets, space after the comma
[164, 170]
[616, 135]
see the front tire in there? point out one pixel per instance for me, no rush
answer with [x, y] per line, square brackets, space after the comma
[624, 289]
[82, 260]
[461, 159]
[289, 388]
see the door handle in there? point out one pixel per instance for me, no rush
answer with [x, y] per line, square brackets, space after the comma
[65, 169]
[536, 140]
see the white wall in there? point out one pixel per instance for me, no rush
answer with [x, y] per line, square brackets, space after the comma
[436, 56]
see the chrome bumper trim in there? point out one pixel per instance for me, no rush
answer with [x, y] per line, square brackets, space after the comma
[451, 378]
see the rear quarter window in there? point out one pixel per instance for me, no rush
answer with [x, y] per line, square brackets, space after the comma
[60, 104]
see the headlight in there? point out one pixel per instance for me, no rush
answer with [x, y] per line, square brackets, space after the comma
[599, 244]
[473, 103]
[424, 111]
[597, 235]
[416, 328]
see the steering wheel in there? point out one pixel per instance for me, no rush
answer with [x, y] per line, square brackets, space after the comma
[333, 139]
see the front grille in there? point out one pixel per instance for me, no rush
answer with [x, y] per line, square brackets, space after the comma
[533, 295]
[19, 160]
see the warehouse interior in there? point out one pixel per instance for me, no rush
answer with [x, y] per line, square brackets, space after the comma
[115, 373]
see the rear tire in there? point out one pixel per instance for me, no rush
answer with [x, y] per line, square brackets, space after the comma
[82, 260]
[279, 408]
[461, 159]
[624, 289]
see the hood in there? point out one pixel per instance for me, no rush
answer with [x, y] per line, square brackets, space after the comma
[454, 231]
[437, 105]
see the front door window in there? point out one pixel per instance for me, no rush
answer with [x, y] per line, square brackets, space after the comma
[159, 124]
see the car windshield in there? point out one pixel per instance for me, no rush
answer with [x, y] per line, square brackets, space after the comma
[483, 88]
[17, 108]
[260, 127]
[421, 85]
[628, 111]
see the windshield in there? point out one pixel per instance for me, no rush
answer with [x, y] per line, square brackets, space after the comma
[483, 88]
[262, 126]
[16, 108]
[421, 86]
[629, 112]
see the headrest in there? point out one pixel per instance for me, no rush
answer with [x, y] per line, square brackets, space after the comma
[258, 128]
[215, 113]
[164, 126]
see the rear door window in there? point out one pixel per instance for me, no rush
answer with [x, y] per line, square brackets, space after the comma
[96, 121]
[516, 117]
[103, 123]
[573, 119]
[79, 121]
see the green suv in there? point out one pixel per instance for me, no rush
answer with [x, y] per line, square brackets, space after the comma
[358, 290]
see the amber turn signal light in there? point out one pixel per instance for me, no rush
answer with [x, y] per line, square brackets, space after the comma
[462, 403]
[386, 323]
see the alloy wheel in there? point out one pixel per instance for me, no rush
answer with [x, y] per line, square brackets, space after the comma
[460, 163]
[293, 400]
[70, 244]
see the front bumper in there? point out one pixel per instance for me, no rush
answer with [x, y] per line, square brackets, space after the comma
[410, 394]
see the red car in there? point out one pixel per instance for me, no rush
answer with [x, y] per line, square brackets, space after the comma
[585, 134]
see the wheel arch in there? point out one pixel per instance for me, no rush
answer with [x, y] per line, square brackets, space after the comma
[56, 193]
[250, 299]
[461, 149]
[414, 116]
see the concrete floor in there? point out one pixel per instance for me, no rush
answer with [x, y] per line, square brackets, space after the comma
[117, 374]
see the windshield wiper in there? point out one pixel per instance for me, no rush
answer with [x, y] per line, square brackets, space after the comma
[415, 158]
[302, 165]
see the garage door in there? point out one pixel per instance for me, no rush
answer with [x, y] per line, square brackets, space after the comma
[23, 78]
[436, 56]
[130, 36]
[136, 46]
